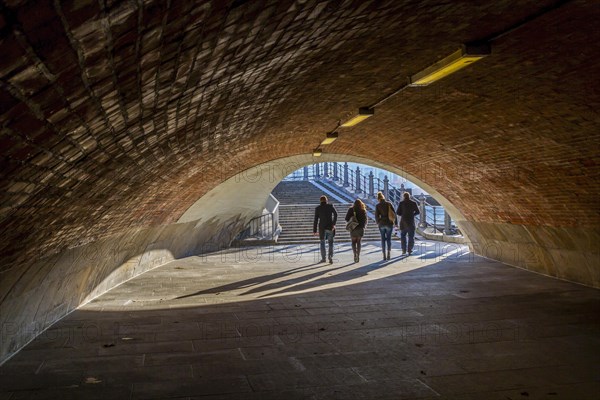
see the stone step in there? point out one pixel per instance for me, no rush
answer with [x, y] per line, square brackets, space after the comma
[296, 213]
[374, 235]
[339, 192]
[338, 233]
[293, 219]
[308, 227]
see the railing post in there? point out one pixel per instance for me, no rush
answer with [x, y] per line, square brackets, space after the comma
[434, 218]
[423, 223]
[386, 186]
[447, 223]
[335, 171]
[305, 173]
[357, 180]
[371, 184]
[317, 171]
[346, 183]
[326, 170]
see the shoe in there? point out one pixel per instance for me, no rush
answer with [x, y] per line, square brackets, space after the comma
[404, 252]
[389, 257]
[355, 258]
[331, 261]
[322, 260]
[384, 257]
[410, 252]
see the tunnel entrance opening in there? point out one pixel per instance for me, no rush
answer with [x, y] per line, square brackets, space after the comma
[288, 212]
[248, 195]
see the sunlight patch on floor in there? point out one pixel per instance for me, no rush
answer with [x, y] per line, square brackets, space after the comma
[237, 275]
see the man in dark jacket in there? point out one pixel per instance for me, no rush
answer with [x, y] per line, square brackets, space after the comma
[407, 209]
[325, 217]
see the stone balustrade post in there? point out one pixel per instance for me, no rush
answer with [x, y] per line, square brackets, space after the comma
[386, 187]
[447, 223]
[346, 182]
[423, 212]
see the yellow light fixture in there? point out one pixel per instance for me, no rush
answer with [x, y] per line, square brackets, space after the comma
[363, 113]
[466, 55]
[331, 137]
[317, 152]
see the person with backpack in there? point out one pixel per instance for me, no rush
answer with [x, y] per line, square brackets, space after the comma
[385, 218]
[358, 215]
[407, 209]
[325, 218]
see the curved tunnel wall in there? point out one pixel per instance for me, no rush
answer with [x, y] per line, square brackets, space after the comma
[117, 116]
[42, 292]
[52, 287]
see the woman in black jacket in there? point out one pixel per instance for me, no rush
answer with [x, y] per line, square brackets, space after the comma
[386, 226]
[359, 210]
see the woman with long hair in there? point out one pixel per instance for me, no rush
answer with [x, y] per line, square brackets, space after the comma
[358, 210]
[386, 225]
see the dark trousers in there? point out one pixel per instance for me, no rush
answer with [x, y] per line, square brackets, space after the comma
[410, 231]
[326, 236]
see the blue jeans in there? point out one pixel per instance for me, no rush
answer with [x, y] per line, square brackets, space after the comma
[327, 236]
[411, 238]
[386, 236]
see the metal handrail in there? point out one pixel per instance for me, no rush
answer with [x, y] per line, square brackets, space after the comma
[265, 226]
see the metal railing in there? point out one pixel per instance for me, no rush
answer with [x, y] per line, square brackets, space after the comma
[356, 183]
[265, 226]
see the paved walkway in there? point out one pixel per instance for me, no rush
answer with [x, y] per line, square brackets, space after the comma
[269, 323]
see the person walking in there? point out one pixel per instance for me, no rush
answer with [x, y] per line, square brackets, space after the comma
[407, 209]
[325, 218]
[358, 210]
[385, 224]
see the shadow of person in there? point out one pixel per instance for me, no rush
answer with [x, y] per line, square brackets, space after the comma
[247, 283]
[288, 282]
[354, 273]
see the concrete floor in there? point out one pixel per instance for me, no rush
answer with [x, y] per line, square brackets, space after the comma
[269, 323]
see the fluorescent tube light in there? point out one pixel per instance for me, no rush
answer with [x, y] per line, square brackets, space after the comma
[363, 113]
[331, 137]
[466, 55]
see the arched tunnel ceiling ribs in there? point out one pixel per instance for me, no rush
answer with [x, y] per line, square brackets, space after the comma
[121, 114]
[116, 116]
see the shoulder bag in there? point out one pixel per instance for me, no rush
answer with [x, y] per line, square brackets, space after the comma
[352, 224]
[391, 213]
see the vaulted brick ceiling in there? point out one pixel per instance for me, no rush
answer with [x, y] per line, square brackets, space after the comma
[119, 114]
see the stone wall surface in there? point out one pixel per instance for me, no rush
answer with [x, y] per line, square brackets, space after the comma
[51, 287]
[116, 117]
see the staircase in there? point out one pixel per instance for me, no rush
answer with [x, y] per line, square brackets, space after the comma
[297, 202]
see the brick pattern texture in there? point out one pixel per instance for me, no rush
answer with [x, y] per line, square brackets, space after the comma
[120, 114]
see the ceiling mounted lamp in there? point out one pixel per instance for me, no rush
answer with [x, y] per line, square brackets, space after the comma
[317, 152]
[331, 137]
[466, 55]
[363, 113]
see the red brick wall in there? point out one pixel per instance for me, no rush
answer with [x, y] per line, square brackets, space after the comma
[121, 117]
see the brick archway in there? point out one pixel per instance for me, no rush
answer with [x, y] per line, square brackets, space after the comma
[117, 116]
